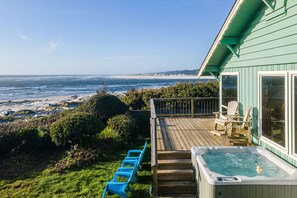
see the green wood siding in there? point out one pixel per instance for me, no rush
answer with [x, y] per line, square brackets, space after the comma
[267, 42]
[265, 45]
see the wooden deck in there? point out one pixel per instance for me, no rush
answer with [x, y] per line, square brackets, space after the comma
[183, 133]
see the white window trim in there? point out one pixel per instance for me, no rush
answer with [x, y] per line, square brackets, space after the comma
[292, 115]
[228, 74]
[286, 149]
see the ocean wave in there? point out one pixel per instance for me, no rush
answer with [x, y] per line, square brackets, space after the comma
[22, 87]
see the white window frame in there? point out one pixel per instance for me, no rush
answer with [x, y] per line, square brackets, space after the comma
[284, 150]
[228, 74]
[292, 115]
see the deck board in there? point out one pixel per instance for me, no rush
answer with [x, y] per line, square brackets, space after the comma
[183, 133]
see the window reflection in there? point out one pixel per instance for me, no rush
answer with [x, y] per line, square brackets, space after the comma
[273, 108]
[229, 89]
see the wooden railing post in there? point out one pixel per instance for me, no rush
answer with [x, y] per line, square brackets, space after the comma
[154, 157]
[192, 108]
[154, 150]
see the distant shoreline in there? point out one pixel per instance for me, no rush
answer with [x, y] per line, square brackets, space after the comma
[159, 77]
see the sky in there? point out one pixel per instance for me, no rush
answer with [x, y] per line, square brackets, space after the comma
[107, 36]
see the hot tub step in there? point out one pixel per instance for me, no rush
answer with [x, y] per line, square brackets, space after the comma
[177, 187]
[174, 155]
[170, 164]
[176, 175]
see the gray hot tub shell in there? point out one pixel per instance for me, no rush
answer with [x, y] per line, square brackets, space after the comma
[214, 185]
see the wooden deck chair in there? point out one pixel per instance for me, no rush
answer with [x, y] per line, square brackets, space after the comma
[223, 116]
[238, 131]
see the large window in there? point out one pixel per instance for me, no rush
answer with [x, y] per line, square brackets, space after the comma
[278, 110]
[272, 90]
[295, 113]
[229, 88]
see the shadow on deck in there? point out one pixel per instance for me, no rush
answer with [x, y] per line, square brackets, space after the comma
[176, 133]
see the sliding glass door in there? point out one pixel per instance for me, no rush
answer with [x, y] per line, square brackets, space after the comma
[273, 97]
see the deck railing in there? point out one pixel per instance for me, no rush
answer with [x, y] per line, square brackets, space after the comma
[164, 107]
[186, 106]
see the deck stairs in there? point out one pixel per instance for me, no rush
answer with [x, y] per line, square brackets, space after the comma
[175, 174]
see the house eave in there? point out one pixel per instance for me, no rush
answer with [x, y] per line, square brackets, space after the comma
[220, 35]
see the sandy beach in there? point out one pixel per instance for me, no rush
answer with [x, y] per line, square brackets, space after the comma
[40, 106]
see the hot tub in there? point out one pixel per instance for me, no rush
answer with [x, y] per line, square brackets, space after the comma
[236, 172]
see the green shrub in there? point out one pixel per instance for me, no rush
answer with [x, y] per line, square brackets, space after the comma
[104, 106]
[75, 128]
[111, 139]
[140, 99]
[34, 138]
[122, 127]
[134, 100]
[25, 140]
[109, 133]
[8, 142]
[142, 122]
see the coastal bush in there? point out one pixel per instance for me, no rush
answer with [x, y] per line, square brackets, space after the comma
[104, 106]
[120, 128]
[133, 99]
[140, 99]
[110, 139]
[9, 137]
[8, 142]
[34, 138]
[142, 122]
[24, 140]
[31, 138]
[75, 128]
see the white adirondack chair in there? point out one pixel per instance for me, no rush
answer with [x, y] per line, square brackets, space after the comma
[238, 131]
[223, 117]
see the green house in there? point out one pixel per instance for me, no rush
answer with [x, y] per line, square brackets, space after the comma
[254, 56]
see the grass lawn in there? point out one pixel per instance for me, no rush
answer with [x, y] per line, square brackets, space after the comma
[86, 181]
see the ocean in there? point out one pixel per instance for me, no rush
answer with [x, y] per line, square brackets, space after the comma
[24, 87]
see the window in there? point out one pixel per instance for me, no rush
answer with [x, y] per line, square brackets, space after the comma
[294, 105]
[272, 90]
[278, 110]
[229, 88]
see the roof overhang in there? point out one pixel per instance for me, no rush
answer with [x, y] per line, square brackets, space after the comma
[228, 36]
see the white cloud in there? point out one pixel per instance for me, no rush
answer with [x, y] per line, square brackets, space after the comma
[23, 36]
[53, 45]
